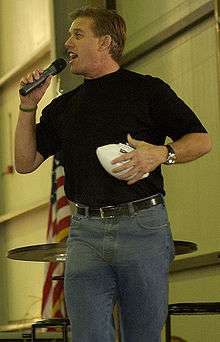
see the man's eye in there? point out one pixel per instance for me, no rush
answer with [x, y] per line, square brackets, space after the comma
[78, 35]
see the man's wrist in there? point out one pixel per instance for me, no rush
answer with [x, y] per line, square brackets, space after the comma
[29, 109]
[164, 154]
[171, 155]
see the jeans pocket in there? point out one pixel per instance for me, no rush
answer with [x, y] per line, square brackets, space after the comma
[152, 218]
[75, 226]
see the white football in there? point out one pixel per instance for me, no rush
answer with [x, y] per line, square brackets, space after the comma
[109, 152]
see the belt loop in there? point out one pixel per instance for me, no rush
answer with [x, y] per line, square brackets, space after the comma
[86, 212]
[131, 208]
[102, 213]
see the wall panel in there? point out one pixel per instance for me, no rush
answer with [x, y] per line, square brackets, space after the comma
[23, 29]
[146, 18]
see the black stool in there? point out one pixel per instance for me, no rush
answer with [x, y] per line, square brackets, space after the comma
[189, 309]
[52, 322]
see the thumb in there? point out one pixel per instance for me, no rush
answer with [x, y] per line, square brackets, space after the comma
[48, 80]
[133, 142]
[46, 83]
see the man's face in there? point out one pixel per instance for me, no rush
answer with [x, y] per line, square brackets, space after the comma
[83, 47]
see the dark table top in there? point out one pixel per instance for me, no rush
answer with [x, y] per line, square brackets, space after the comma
[56, 252]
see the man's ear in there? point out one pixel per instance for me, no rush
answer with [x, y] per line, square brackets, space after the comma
[105, 42]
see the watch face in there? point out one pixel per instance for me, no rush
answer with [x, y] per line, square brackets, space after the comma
[171, 158]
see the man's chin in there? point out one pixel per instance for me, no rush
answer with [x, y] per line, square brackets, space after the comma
[75, 70]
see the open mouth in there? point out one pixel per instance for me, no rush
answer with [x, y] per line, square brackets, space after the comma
[71, 56]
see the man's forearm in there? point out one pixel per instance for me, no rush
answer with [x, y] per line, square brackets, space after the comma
[25, 142]
[191, 146]
[27, 159]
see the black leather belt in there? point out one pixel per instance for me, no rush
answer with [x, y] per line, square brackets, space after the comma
[125, 209]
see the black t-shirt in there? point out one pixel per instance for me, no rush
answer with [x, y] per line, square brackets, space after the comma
[103, 111]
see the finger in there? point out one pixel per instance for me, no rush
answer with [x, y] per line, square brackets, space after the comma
[128, 175]
[124, 166]
[124, 157]
[32, 76]
[137, 143]
[49, 78]
[36, 74]
[25, 80]
[47, 81]
[129, 139]
[131, 173]
[40, 71]
[133, 142]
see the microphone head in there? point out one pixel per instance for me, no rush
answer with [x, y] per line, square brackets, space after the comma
[58, 65]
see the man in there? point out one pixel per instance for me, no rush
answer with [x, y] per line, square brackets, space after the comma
[119, 245]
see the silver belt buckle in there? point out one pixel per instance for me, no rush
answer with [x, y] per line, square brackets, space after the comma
[102, 211]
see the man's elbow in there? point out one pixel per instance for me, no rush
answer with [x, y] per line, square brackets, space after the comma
[24, 166]
[23, 169]
[28, 165]
[207, 144]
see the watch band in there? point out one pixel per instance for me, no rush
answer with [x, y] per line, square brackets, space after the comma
[171, 157]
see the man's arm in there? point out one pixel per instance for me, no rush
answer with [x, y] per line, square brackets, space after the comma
[27, 158]
[146, 157]
[191, 146]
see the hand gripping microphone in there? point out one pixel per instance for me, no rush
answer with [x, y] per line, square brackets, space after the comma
[57, 66]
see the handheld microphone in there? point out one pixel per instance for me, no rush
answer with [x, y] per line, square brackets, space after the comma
[57, 66]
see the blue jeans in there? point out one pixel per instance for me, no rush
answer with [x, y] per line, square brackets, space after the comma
[125, 259]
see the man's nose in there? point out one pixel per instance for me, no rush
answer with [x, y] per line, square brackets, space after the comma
[68, 42]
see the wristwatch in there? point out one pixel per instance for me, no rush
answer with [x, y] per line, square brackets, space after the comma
[171, 157]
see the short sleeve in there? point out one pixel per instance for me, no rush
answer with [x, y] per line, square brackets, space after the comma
[47, 137]
[172, 114]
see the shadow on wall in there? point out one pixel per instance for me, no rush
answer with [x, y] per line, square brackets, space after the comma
[177, 339]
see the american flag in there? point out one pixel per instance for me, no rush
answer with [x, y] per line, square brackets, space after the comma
[57, 231]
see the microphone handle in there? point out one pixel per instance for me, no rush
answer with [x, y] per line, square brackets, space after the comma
[27, 88]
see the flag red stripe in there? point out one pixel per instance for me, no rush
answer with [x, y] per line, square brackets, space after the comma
[64, 223]
[48, 283]
[60, 181]
[58, 314]
[58, 289]
[62, 202]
